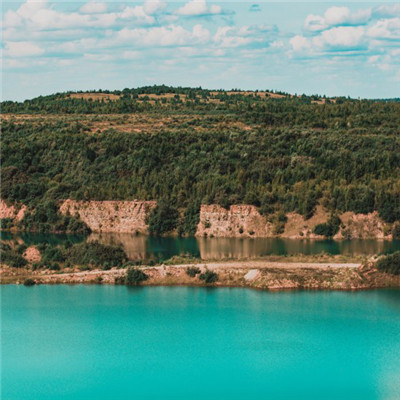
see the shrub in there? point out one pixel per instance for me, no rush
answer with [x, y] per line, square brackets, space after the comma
[209, 276]
[95, 253]
[396, 231]
[390, 264]
[6, 223]
[135, 276]
[52, 254]
[193, 271]
[13, 259]
[279, 221]
[191, 219]
[163, 219]
[330, 228]
[54, 266]
[21, 248]
[29, 282]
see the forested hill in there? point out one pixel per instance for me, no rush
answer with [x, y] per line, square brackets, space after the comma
[264, 107]
[184, 146]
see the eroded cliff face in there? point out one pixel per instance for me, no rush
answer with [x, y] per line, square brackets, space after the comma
[363, 226]
[111, 216]
[215, 221]
[238, 221]
[246, 221]
[354, 226]
[297, 227]
[11, 211]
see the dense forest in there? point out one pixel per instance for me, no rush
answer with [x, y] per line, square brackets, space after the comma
[184, 146]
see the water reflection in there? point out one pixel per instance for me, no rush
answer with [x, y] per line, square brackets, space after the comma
[139, 247]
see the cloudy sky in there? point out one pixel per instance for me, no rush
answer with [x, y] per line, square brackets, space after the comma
[350, 48]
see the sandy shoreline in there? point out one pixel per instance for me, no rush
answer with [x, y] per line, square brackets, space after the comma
[265, 275]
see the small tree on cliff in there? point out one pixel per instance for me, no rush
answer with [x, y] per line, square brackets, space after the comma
[163, 218]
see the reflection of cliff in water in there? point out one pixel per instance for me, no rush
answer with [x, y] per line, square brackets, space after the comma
[133, 245]
[141, 247]
[161, 248]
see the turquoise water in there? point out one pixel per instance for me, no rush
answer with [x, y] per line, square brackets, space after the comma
[114, 342]
[140, 247]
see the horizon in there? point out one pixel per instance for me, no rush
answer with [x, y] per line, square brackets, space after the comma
[103, 90]
[321, 47]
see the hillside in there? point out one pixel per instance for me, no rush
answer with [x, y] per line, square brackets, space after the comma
[184, 148]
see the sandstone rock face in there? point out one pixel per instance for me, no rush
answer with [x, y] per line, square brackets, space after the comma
[238, 221]
[32, 254]
[111, 216]
[297, 227]
[363, 226]
[11, 211]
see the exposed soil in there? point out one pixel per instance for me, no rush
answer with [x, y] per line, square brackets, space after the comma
[252, 274]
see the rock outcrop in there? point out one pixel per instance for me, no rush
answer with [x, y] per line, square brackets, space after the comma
[363, 226]
[111, 216]
[32, 254]
[297, 227]
[11, 211]
[215, 221]
[237, 221]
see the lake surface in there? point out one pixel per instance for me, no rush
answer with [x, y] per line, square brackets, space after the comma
[114, 342]
[140, 247]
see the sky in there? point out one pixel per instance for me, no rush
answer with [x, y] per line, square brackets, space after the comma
[334, 49]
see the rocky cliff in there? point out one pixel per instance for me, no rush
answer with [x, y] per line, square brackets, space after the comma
[11, 211]
[238, 220]
[215, 221]
[363, 226]
[111, 216]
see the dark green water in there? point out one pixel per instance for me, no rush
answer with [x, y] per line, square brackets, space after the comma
[162, 248]
[113, 342]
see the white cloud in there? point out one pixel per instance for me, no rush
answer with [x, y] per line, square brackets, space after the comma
[93, 8]
[256, 35]
[199, 7]
[314, 23]
[335, 16]
[388, 10]
[131, 55]
[299, 43]
[385, 29]
[137, 12]
[173, 35]
[22, 49]
[151, 7]
[340, 37]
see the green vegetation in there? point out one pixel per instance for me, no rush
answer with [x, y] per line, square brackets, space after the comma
[281, 155]
[163, 218]
[191, 219]
[209, 276]
[396, 231]
[95, 253]
[193, 271]
[135, 276]
[330, 228]
[54, 257]
[29, 282]
[46, 218]
[11, 257]
[390, 264]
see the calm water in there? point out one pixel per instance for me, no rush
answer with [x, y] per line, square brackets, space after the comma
[113, 342]
[162, 248]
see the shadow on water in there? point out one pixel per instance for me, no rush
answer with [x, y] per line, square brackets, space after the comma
[48, 238]
[392, 297]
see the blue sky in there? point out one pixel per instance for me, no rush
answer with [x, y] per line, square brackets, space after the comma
[350, 49]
